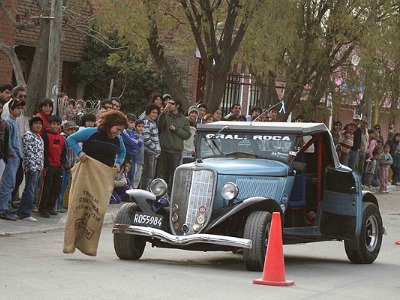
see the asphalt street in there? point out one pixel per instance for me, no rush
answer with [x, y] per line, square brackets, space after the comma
[34, 267]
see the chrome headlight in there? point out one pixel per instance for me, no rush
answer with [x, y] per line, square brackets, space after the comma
[158, 187]
[229, 191]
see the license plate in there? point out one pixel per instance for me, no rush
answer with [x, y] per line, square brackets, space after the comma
[143, 219]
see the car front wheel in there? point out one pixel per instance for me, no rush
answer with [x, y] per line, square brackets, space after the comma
[365, 248]
[256, 229]
[128, 246]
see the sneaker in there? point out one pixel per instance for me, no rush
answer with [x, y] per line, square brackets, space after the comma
[52, 212]
[30, 219]
[44, 214]
[35, 209]
[7, 215]
[61, 210]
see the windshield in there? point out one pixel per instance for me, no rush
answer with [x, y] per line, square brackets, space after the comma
[247, 145]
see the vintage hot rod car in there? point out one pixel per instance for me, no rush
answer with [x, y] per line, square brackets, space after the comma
[243, 172]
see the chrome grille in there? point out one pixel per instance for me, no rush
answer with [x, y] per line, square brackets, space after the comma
[190, 198]
[249, 187]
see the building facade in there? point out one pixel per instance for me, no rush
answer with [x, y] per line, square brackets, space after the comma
[24, 42]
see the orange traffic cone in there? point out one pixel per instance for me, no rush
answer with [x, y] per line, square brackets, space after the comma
[274, 265]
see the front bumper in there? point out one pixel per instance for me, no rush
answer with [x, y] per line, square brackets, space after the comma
[184, 239]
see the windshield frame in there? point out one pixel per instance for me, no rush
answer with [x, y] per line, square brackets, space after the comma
[286, 156]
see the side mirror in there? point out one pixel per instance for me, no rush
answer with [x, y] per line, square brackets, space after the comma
[188, 159]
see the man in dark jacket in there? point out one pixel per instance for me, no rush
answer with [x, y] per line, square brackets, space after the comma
[174, 129]
[351, 159]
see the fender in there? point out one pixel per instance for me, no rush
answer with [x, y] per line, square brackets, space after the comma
[367, 196]
[259, 203]
[143, 199]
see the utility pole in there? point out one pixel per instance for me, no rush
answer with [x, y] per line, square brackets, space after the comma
[53, 66]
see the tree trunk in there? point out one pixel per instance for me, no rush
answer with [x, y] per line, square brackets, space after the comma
[158, 54]
[291, 98]
[208, 88]
[272, 95]
[168, 77]
[264, 100]
[37, 77]
[218, 89]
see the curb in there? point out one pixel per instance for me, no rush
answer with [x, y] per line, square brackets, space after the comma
[109, 218]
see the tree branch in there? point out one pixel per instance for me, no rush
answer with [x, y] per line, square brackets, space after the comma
[195, 22]
[18, 25]
[12, 56]
[95, 37]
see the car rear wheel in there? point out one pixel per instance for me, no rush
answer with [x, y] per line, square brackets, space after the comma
[256, 229]
[128, 246]
[365, 248]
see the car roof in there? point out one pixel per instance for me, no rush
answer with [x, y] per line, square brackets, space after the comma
[271, 127]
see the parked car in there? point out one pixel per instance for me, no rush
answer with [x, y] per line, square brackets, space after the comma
[243, 172]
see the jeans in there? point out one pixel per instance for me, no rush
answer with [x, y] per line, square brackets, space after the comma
[361, 163]
[29, 194]
[119, 194]
[8, 183]
[51, 188]
[351, 159]
[138, 175]
[66, 178]
[149, 170]
[131, 173]
[167, 164]
[18, 180]
[2, 166]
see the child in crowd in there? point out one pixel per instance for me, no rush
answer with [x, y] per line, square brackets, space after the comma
[372, 138]
[15, 155]
[54, 159]
[3, 142]
[69, 128]
[33, 148]
[88, 120]
[370, 168]
[133, 143]
[121, 184]
[70, 110]
[139, 162]
[384, 160]
[45, 111]
[80, 104]
[346, 140]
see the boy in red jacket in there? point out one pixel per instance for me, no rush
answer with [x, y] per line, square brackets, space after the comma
[54, 159]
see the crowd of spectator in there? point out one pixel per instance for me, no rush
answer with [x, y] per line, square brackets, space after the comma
[364, 150]
[155, 143]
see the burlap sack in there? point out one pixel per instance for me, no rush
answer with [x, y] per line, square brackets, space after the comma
[91, 187]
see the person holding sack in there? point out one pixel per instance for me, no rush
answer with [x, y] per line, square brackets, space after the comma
[101, 156]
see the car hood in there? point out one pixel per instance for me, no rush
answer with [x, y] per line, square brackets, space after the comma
[245, 166]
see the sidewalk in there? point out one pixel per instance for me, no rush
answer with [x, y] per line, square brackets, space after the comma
[58, 222]
[390, 188]
[43, 225]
